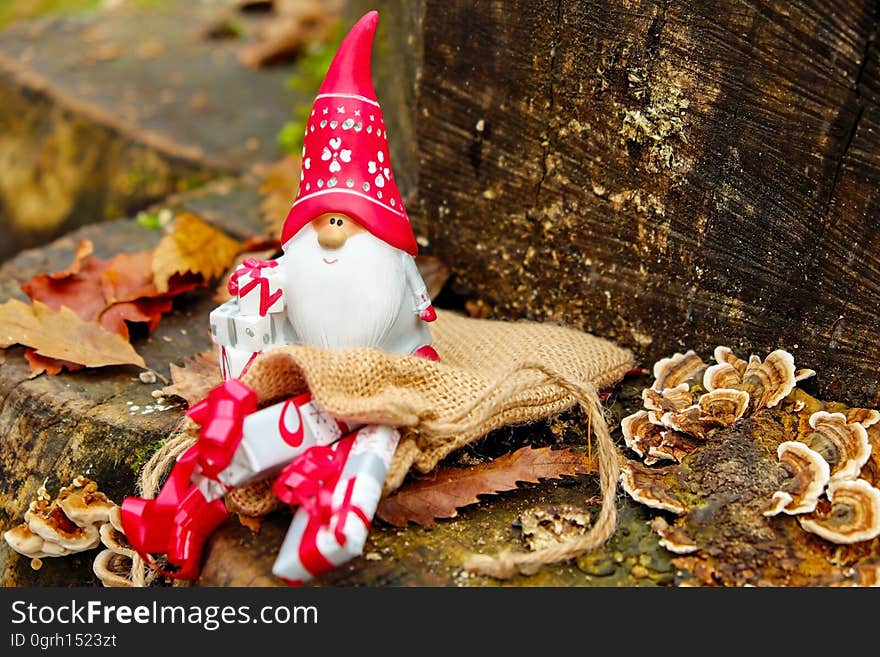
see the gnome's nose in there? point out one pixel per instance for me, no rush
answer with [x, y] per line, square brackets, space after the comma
[332, 234]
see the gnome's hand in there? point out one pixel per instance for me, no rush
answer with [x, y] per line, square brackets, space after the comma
[428, 314]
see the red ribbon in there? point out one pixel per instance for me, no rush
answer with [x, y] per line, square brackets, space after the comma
[293, 438]
[221, 415]
[254, 268]
[176, 523]
[226, 368]
[310, 480]
[342, 513]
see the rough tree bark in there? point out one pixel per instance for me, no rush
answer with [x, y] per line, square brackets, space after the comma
[671, 175]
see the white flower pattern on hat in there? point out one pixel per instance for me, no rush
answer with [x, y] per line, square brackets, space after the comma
[344, 154]
[383, 175]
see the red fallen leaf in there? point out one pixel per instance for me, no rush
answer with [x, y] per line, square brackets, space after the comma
[148, 311]
[38, 364]
[111, 292]
[444, 491]
[78, 287]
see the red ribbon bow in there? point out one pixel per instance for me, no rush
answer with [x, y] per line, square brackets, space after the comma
[309, 480]
[250, 266]
[221, 415]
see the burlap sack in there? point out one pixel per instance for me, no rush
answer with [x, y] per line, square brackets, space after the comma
[484, 380]
[491, 374]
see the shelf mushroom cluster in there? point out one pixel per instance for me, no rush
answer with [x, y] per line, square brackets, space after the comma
[80, 518]
[68, 524]
[832, 466]
[689, 399]
[833, 470]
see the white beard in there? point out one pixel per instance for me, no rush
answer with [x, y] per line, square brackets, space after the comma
[351, 303]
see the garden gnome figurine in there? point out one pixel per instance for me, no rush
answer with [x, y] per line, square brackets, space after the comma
[347, 279]
[348, 272]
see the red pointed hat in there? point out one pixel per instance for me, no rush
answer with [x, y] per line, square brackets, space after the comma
[346, 165]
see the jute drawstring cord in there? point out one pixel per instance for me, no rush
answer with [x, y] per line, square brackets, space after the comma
[151, 477]
[507, 563]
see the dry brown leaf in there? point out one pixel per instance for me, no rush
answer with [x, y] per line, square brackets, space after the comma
[294, 25]
[278, 188]
[78, 287]
[112, 292]
[198, 375]
[445, 490]
[192, 247]
[63, 335]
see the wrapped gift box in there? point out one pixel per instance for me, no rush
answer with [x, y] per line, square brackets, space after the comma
[234, 362]
[325, 535]
[242, 337]
[258, 288]
[231, 327]
[222, 325]
[271, 438]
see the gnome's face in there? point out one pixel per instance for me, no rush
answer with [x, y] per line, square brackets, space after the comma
[334, 229]
[344, 287]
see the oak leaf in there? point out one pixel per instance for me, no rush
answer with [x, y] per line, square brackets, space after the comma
[196, 377]
[192, 247]
[444, 491]
[63, 335]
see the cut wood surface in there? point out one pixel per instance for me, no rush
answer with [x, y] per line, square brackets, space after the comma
[107, 112]
[670, 175]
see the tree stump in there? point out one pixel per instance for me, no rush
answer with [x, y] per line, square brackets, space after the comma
[668, 175]
[103, 422]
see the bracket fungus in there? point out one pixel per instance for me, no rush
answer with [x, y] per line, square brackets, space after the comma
[767, 382]
[650, 487]
[68, 524]
[851, 514]
[668, 399]
[113, 564]
[842, 444]
[808, 474]
[677, 369]
[639, 433]
[673, 537]
[871, 470]
[689, 399]
[808, 458]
